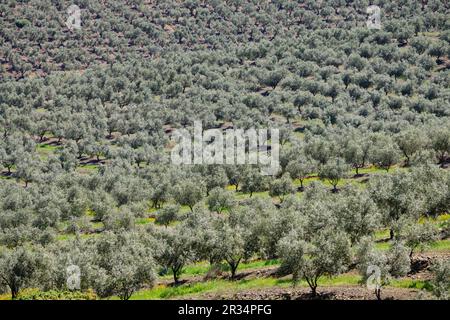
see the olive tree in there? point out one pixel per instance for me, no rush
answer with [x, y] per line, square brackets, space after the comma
[333, 171]
[385, 154]
[188, 193]
[220, 200]
[167, 215]
[176, 249]
[440, 142]
[410, 142]
[123, 264]
[300, 169]
[356, 213]
[356, 153]
[440, 281]
[377, 267]
[253, 181]
[327, 253]
[418, 236]
[232, 245]
[281, 187]
[397, 196]
[18, 268]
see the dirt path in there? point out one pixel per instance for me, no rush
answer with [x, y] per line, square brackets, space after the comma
[325, 293]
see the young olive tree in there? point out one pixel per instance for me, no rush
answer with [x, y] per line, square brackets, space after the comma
[417, 236]
[167, 215]
[176, 249]
[441, 279]
[18, 268]
[253, 181]
[300, 169]
[281, 187]
[333, 171]
[220, 200]
[188, 193]
[123, 264]
[377, 267]
[326, 254]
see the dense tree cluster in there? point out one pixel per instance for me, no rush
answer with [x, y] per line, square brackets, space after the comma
[84, 153]
[35, 38]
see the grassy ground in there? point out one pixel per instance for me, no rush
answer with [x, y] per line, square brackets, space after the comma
[225, 286]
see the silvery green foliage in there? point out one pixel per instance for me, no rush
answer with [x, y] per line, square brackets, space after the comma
[356, 213]
[123, 263]
[176, 248]
[410, 142]
[319, 149]
[214, 176]
[266, 225]
[417, 236]
[220, 200]
[234, 174]
[101, 204]
[292, 251]
[393, 263]
[281, 187]
[72, 252]
[18, 268]
[232, 244]
[441, 279]
[316, 210]
[440, 142]
[300, 168]
[121, 219]
[398, 257]
[366, 255]
[206, 241]
[327, 253]
[333, 171]
[373, 265]
[434, 186]
[167, 214]
[253, 181]
[397, 195]
[384, 153]
[189, 192]
[356, 151]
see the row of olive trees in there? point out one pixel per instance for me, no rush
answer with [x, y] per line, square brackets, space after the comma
[313, 237]
[114, 264]
[140, 32]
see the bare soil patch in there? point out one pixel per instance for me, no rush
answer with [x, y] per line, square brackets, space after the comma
[324, 293]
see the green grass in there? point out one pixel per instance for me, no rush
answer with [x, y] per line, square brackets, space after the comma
[65, 236]
[241, 196]
[88, 166]
[44, 150]
[202, 268]
[411, 284]
[441, 245]
[383, 245]
[382, 234]
[221, 286]
[217, 286]
[144, 221]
